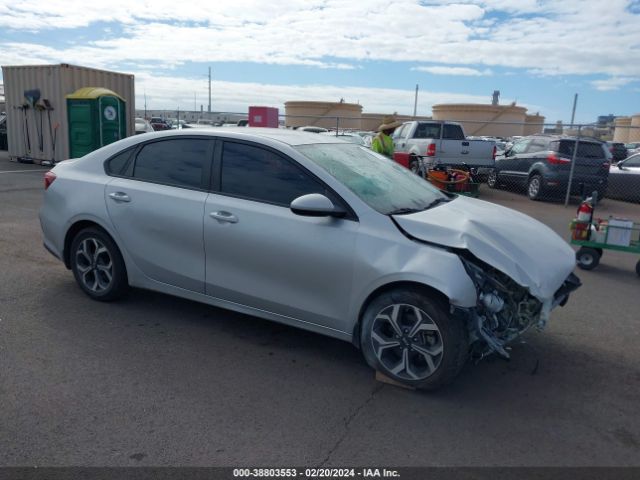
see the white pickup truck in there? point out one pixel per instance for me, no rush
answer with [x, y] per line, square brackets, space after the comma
[440, 143]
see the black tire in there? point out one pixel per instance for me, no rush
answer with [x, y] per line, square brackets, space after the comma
[492, 179]
[587, 258]
[638, 268]
[443, 339]
[97, 265]
[535, 187]
[414, 166]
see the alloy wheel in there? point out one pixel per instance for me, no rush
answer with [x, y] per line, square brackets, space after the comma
[407, 342]
[534, 187]
[94, 265]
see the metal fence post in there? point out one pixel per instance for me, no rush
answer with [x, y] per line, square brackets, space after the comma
[337, 125]
[573, 164]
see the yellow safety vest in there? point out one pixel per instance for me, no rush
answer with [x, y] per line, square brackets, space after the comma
[383, 144]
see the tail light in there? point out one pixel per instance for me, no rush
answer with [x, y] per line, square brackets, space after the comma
[553, 159]
[49, 178]
[495, 150]
[431, 150]
[606, 164]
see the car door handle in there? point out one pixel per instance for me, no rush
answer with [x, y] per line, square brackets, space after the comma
[223, 216]
[120, 197]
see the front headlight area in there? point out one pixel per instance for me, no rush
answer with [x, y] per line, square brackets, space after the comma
[504, 309]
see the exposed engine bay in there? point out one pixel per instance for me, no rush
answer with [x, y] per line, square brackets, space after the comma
[505, 309]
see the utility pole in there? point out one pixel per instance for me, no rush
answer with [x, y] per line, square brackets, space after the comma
[415, 102]
[573, 112]
[209, 107]
[145, 105]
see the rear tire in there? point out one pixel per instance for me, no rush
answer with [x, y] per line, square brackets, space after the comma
[97, 265]
[587, 258]
[414, 166]
[409, 336]
[535, 187]
[492, 179]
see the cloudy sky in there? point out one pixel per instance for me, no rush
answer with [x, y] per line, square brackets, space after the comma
[536, 52]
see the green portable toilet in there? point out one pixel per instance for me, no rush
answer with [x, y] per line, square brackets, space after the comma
[96, 118]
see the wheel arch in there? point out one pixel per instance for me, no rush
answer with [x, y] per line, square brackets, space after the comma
[77, 227]
[406, 284]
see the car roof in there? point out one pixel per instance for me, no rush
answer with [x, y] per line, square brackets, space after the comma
[286, 136]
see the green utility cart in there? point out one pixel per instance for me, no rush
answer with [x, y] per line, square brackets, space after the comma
[96, 118]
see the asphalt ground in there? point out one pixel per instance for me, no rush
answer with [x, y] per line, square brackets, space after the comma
[155, 380]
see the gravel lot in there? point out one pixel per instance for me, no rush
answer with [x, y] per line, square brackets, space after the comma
[154, 380]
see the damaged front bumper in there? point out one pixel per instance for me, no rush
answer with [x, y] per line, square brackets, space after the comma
[505, 310]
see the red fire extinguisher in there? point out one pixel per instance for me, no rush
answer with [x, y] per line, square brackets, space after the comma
[583, 220]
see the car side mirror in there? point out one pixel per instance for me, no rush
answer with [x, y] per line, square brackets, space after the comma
[316, 205]
[507, 153]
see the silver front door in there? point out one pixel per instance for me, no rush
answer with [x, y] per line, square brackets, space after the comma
[266, 257]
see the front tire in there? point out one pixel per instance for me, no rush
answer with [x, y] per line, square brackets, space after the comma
[97, 265]
[409, 336]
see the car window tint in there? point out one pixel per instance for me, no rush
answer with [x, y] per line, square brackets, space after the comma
[427, 130]
[176, 162]
[452, 132]
[262, 175]
[116, 165]
[585, 149]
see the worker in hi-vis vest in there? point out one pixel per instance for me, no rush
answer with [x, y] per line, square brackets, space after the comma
[383, 143]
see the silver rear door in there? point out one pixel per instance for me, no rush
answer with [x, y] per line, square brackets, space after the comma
[157, 209]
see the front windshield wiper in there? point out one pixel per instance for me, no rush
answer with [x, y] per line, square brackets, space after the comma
[437, 201]
[406, 211]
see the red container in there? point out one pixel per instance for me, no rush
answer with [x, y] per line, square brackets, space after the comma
[263, 117]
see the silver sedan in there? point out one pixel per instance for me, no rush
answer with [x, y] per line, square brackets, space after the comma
[312, 232]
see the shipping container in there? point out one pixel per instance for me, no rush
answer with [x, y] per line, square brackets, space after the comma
[32, 131]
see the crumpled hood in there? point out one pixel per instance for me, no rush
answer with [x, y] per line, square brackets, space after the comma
[526, 250]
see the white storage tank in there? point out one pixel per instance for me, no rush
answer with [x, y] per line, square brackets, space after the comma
[303, 113]
[477, 118]
[38, 129]
[621, 131]
[634, 131]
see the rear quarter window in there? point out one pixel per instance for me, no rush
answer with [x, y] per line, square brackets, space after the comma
[585, 149]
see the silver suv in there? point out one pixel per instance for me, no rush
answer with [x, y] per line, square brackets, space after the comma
[312, 232]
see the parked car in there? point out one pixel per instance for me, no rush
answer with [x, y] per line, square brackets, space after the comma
[542, 163]
[618, 150]
[143, 126]
[312, 129]
[159, 124]
[312, 232]
[632, 148]
[4, 144]
[439, 143]
[624, 179]
[347, 137]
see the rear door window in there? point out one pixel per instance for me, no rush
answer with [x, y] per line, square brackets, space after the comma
[178, 161]
[452, 132]
[258, 174]
[427, 130]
